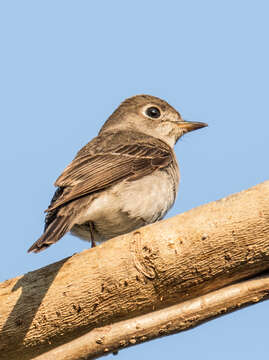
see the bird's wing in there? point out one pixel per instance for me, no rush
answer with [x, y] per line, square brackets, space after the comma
[90, 172]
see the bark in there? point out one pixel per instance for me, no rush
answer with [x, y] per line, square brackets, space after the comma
[175, 318]
[150, 269]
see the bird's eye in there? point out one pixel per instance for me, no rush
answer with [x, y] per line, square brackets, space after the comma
[153, 112]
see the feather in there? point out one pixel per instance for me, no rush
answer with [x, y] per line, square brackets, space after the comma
[52, 234]
[89, 172]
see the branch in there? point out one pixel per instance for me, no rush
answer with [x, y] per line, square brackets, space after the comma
[152, 268]
[176, 318]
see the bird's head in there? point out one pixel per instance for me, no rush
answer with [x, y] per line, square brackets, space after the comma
[150, 115]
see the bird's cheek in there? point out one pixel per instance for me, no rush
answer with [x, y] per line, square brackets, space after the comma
[165, 128]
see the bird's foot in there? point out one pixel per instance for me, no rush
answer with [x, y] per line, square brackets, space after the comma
[93, 244]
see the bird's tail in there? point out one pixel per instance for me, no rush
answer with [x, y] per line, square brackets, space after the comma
[53, 233]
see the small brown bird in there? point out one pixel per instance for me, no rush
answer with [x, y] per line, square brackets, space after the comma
[123, 179]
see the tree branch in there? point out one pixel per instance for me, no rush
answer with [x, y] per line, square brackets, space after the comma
[176, 318]
[153, 268]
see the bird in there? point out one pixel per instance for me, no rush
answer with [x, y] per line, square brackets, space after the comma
[123, 179]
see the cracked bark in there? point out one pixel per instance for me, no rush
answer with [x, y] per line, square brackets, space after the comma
[154, 268]
[170, 320]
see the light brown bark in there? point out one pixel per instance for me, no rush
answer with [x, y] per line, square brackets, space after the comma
[175, 318]
[155, 267]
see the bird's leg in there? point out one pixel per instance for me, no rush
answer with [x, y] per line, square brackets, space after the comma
[91, 231]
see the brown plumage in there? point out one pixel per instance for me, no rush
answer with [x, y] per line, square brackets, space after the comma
[130, 148]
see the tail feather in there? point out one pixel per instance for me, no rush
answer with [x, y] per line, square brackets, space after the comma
[52, 234]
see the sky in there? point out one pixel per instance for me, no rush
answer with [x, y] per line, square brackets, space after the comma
[66, 65]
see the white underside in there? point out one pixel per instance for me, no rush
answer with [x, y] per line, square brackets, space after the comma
[127, 206]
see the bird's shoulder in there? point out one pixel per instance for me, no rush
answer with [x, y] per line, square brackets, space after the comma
[113, 141]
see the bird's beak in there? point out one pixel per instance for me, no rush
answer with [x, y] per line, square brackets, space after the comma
[187, 126]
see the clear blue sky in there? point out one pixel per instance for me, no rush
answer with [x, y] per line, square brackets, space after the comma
[65, 65]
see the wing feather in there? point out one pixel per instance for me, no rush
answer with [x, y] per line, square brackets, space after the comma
[89, 173]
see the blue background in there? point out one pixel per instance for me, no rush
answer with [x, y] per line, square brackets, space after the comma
[66, 65]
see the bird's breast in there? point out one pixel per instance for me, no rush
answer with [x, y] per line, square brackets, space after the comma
[129, 205]
[150, 197]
